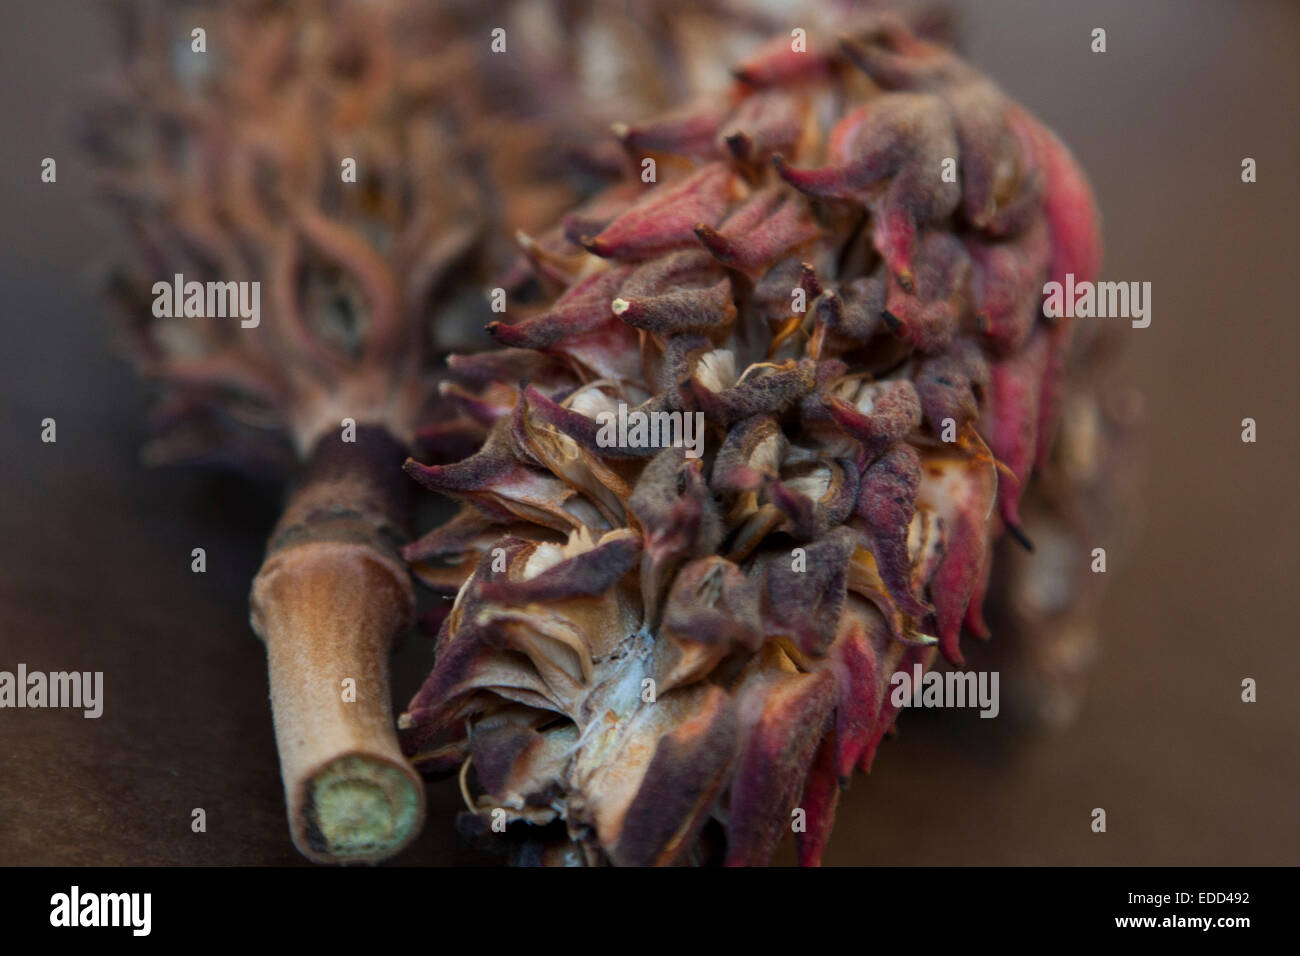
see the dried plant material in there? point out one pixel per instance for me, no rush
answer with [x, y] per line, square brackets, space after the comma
[326, 186]
[767, 474]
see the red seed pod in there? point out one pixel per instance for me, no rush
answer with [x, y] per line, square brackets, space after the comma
[841, 375]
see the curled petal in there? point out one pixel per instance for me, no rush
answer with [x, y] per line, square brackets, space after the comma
[712, 611]
[766, 123]
[882, 415]
[926, 317]
[886, 504]
[766, 227]
[951, 386]
[685, 292]
[666, 218]
[804, 590]
[584, 308]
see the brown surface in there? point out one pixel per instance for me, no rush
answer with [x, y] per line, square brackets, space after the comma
[94, 549]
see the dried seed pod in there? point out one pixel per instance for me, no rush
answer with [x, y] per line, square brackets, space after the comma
[351, 168]
[768, 474]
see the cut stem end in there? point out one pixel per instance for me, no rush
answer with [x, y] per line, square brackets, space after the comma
[361, 807]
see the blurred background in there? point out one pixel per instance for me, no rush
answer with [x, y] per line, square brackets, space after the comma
[95, 548]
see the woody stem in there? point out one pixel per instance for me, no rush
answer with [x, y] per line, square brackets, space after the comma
[331, 597]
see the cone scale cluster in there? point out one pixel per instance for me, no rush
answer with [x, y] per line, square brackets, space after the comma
[655, 658]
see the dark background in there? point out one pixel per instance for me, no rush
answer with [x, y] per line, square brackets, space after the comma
[95, 549]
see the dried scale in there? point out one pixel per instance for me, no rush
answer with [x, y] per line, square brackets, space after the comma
[226, 165]
[654, 658]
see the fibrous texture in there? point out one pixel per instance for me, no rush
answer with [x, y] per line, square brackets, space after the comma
[227, 165]
[654, 657]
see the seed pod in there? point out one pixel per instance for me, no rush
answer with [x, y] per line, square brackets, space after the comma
[809, 529]
[354, 166]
